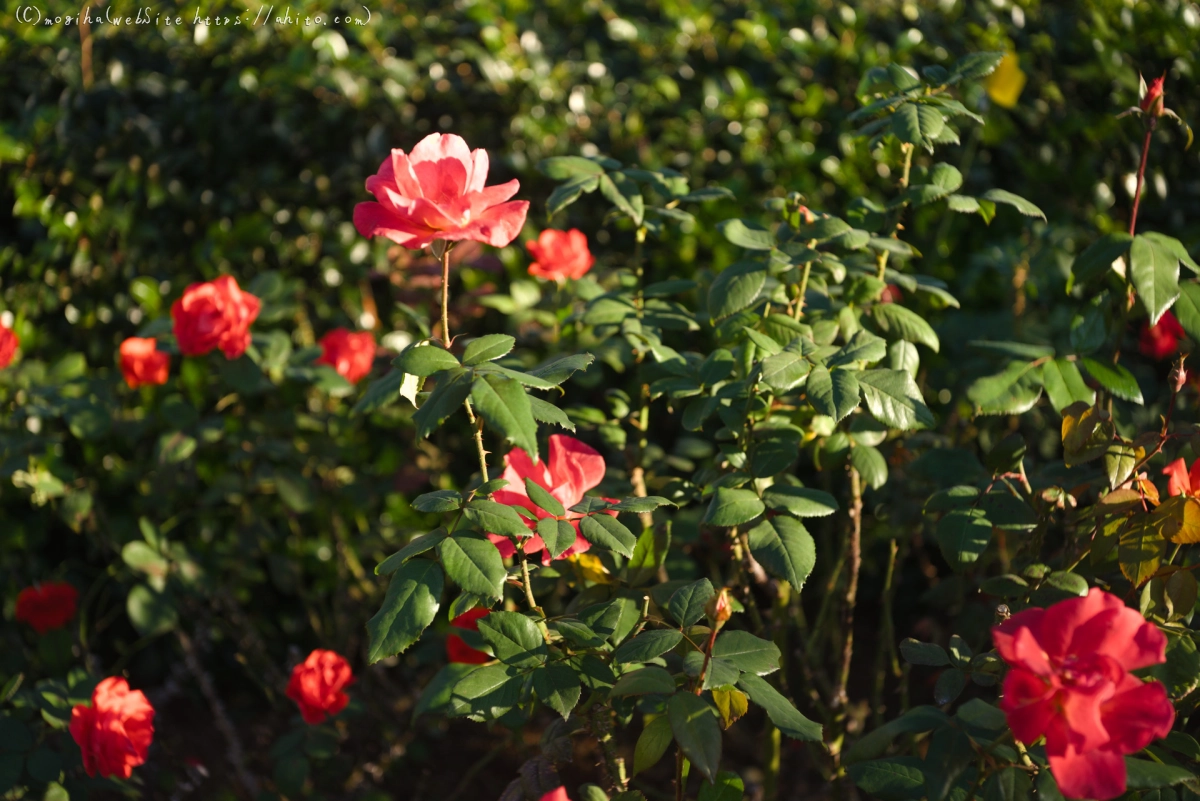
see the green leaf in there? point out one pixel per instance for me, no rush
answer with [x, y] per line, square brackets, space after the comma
[890, 779]
[487, 348]
[1187, 309]
[949, 686]
[1013, 391]
[870, 464]
[438, 501]
[686, 604]
[559, 370]
[928, 654]
[917, 124]
[746, 652]
[652, 743]
[649, 554]
[648, 645]
[514, 638]
[608, 532]
[550, 414]
[1016, 201]
[417, 546]
[832, 393]
[694, 723]
[625, 195]
[543, 499]
[1008, 784]
[411, 604]
[638, 505]
[563, 167]
[1155, 274]
[779, 709]
[505, 406]
[646, 681]
[558, 688]
[784, 548]
[558, 535]
[567, 193]
[728, 787]
[862, 347]
[963, 535]
[744, 235]
[784, 371]
[150, 612]
[1142, 774]
[425, 360]
[800, 501]
[1174, 247]
[975, 65]
[496, 518]
[735, 288]
[732, 507]
[447, 397]
[874, 743]
[1115, 378]
[901, 323]
[1097, 259]
[15, 735]
[489, 690]
[473, 563]
[1064, 384]
[893, 398]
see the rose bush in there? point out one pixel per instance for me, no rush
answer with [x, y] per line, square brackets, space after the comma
[700, 590]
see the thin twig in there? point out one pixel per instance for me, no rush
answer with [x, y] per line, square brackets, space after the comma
[236, 753]
[854, 559]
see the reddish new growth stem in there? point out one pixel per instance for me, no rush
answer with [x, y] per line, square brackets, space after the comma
[1141, 175]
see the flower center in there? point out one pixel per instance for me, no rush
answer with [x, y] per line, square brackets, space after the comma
[1083, 674]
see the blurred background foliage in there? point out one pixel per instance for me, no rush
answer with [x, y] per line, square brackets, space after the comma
[135, 160]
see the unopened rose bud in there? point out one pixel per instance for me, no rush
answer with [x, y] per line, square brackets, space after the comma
[1152, 101]
[719, 609]
[1178, 375]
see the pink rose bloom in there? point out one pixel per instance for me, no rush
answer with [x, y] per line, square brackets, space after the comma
[572, 469]
[1069, 681]
[557, 794]
[438, 192]
[560, 254]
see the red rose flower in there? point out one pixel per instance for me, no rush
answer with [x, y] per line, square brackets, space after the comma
[1070, 682]
[572, 469]
[143, 363]
[214, 314]
[1160, 341]
[438, 192]
[457, 649]
[557, 794]
[47, 606]
[1181, 481]
[115, 732]
[316, 685]
[349, 353]
[8, 345]
[560, 254]
[1152, 101]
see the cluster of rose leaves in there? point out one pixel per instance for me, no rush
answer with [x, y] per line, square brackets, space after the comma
[1069, 679]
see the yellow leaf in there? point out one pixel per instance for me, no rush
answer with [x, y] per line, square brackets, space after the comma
[1183, 519]
[731, 703]
[1005, 84]
[588, 567]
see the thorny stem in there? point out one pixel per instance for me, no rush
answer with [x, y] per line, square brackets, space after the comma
[854, 558]
[601, 727]
[908, 149]
[803, 290]
[712, 638]
[906, 169]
